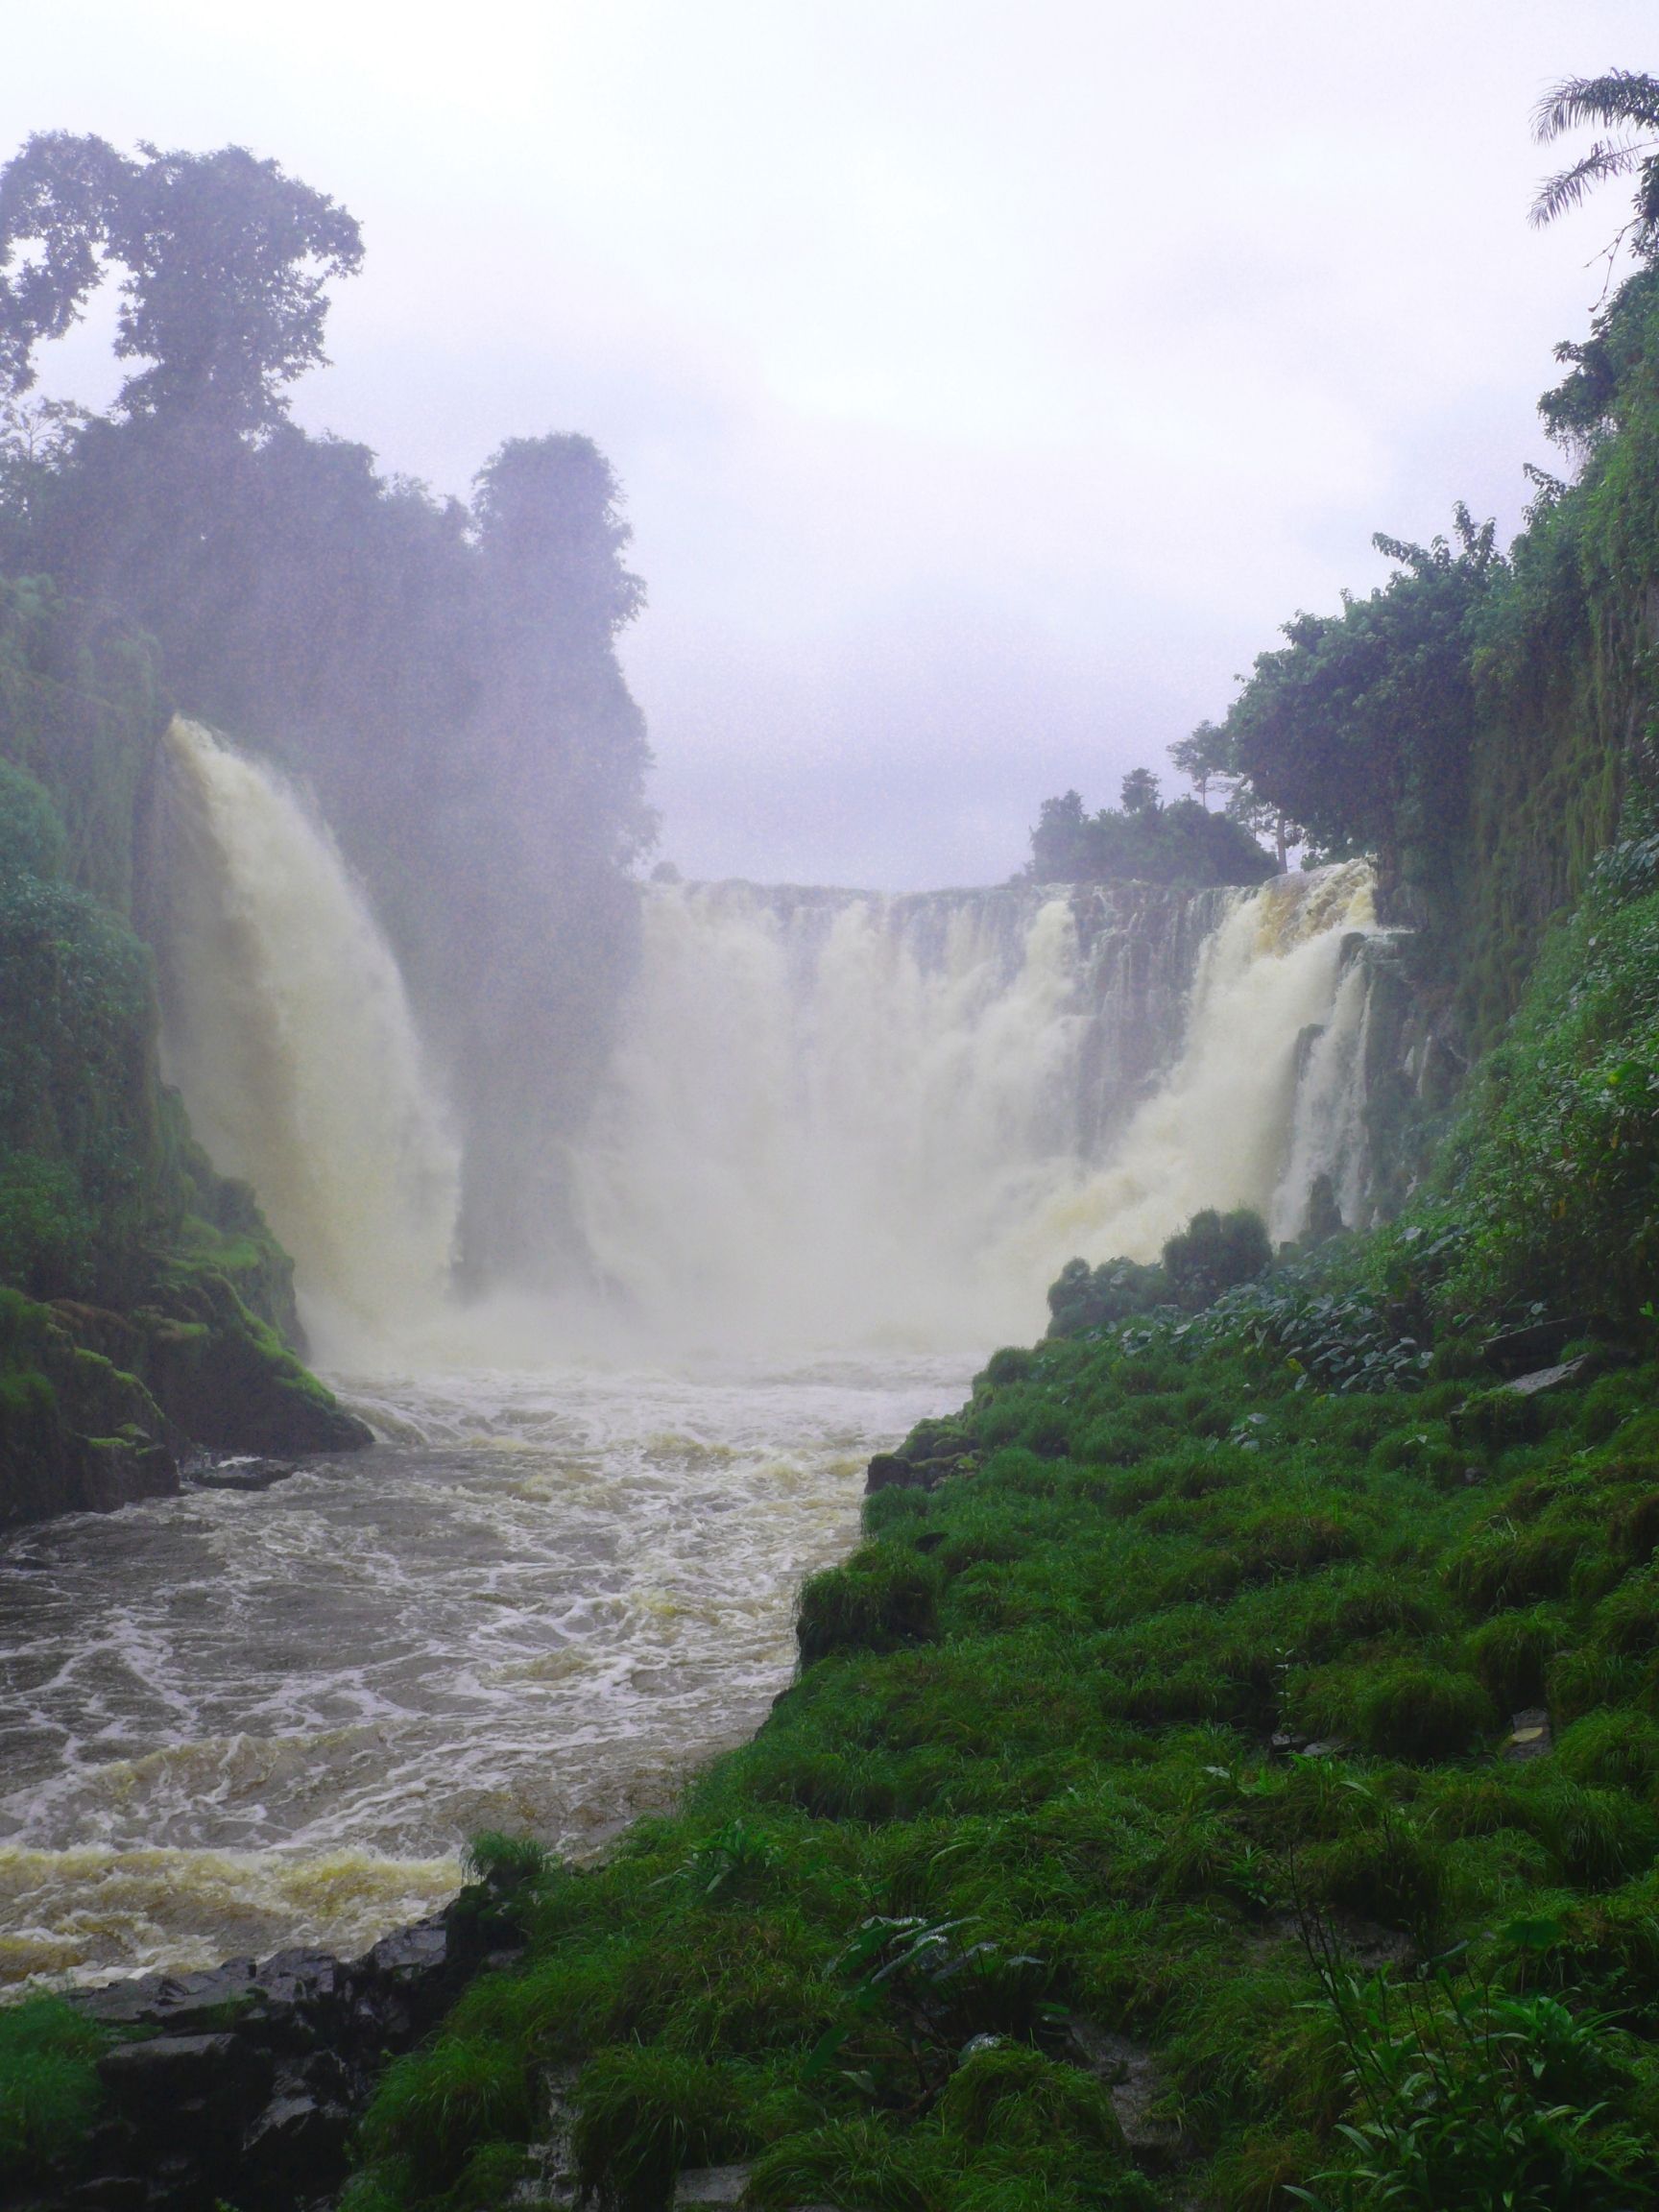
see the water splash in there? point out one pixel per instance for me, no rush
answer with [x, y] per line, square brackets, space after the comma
[1220, 1130]
[288, 1031]
[834, 1116]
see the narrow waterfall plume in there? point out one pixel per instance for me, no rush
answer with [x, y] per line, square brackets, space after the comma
[840, 1117]
[288, 1031]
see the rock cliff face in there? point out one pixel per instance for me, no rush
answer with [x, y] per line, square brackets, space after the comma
[101, 1408]
[146, 1311]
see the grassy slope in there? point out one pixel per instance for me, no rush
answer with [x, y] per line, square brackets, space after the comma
[1040, 1719]
[1026, 1786]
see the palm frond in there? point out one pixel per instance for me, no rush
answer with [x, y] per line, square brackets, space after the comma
[1569, 186]
[1620, 96]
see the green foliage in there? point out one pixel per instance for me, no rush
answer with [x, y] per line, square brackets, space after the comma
[1362, 725]
[1469, 2098]
[1417, 1712]
[49, 2088]
[439, 2104]
[505, 1863]
[1145, 842]
[883, 1596]
[859, 1952]
[444, 678]
[642, 2115]
[226, 261]
[32, 838]
[1555, 1167]
[1084, 1298]
[1214, 1254]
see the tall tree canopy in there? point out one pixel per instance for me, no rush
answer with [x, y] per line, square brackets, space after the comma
[1142, 841]
[1360, 725]
[444, 675]
[226, 262]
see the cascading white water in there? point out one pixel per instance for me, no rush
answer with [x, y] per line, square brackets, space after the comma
[1230, 1127]
[833, 1120]
[853, 1119]
[287, 1029]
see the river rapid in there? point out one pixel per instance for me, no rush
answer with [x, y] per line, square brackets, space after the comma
[232, 1722]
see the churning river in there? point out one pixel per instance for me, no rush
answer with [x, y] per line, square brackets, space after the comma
[231, 1721]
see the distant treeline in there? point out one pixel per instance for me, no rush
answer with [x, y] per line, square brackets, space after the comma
[1144, 840]
[443, 674]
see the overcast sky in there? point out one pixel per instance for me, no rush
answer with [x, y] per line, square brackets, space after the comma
[987, 381]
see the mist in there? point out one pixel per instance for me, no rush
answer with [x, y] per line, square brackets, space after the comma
[984, 390]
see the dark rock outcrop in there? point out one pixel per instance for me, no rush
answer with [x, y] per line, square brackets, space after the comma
[99, 1408]
[242, 2085]
[929, 1455]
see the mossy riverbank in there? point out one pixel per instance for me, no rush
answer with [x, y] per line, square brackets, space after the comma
[1151, 1808]
[1227, 1774]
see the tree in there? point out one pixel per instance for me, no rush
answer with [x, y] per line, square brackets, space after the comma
[227, 263]
[1203, 759]
[1361, 726]
[1144, 842]
[1139, 794]
[1625, 101]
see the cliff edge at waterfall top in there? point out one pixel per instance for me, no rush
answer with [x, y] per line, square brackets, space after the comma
[676, 1540]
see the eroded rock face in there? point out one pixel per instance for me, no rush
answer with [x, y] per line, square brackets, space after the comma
[102, 1408]
[243, 2085]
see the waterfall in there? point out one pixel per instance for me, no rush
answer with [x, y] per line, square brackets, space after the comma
[288, 1032]
[830, 1118]
[837, 1116]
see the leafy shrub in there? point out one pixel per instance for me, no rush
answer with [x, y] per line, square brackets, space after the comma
[1466, 2100]
[1084, 1299]
[31, 836]
[1011, 1364]
[1214, 1253]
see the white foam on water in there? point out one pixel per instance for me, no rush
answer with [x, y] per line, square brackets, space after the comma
[842, 1137]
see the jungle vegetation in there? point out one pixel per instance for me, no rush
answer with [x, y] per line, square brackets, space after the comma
[442, 673]
[1227, 1773]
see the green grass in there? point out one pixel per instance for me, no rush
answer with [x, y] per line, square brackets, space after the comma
[1027, 1777]
[49, 2088]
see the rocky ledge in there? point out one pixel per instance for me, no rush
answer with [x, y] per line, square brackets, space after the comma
[242, 2085]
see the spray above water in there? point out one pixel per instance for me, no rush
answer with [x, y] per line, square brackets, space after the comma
[288, 1031]
[831, 1118]
[842, 1118]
